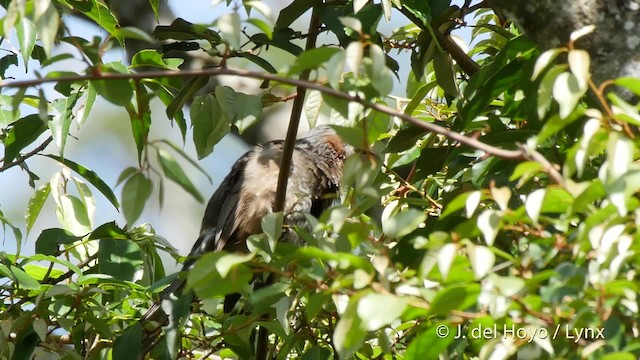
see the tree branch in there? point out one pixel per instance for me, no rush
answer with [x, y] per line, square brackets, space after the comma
[22, 158]
[466, 63]
[519, 154]
[262, 346]
[465, 140]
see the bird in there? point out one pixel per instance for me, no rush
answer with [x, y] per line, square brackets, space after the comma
[235, 210]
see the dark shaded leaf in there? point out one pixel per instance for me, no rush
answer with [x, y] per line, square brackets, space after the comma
[119, 258]
[108, 231]
[22, 134]
[50, 239]
[129, 344]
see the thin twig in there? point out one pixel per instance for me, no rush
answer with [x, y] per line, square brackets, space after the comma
[22, 158]
[471, 142]
[519, 154]
[550, 169]
[262, 346]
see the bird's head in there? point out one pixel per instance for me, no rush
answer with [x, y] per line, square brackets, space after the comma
[324, 141]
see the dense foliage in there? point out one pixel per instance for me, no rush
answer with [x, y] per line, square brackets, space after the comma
[494, 213]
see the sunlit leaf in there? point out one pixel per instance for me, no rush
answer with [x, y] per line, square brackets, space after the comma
[26, 31]
[229, 26]
[481, 259]
[403, 223]
[567, 92]
[372, 318]
[23, 132]
[489, 224]
[36, 202]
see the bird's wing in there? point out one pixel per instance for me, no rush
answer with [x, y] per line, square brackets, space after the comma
[215, 230]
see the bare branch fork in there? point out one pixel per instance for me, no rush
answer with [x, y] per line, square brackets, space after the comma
[462, 139]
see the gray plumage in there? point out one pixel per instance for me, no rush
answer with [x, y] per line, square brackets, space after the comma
[247, 194]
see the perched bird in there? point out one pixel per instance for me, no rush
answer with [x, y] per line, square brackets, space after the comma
[247, 194]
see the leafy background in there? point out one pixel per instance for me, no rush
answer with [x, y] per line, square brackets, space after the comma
[499, 190]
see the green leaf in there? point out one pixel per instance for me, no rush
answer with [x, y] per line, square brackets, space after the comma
[154, 6]
[579, 63]
[186, 157]
[135, 193]
[430, 343]
[481, 259]
[140, 117]
[567, 92]
[26, 31]
[248, 111]
[349, 333]
[174, 172]
[272, 226]
[369, 308]
[121, 259]
[343, 261]
[381, 75]
[259, 61]
[230, 31]
[455, 297]
[84, 110]
[91, 177]
[181, 29]
[148, 57]
[208, 282]
[60, 123]
[108, 231]
[50, 239]
[317, 353]
[126, 173]
[312, 59]
[630, 83]
[47, 21]
[543, 61]
[403, 223]
[186, 93]
[443, 68]
[420, 9]
[24, 280]
[618, 356]
[36, 202]
[14, 9]
[312, 107]
[262, 25]
[209, 125]
[134, 33]
[16, 232]
[293, 11]
[116, 91]
[9, 111]
[129, 344]
[99, 13]
[7, 61]
[489, 224]
[22, 134]
[73, 214]
[353, 56]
